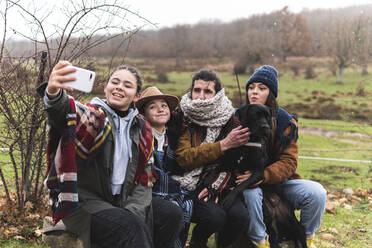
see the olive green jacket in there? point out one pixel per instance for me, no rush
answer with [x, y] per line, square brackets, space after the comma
[93, 177]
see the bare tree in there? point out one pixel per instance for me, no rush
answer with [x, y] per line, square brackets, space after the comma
[295, 35]
[363, 44]
[80, 26]
[257, 43]
[177, 44]
[341, 44]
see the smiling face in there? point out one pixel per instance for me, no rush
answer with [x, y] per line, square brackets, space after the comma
[203, 90]
[157, 113]
[257, 93]
[121, 90]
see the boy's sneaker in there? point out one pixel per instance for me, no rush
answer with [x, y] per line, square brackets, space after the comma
[266, 245]
[310, 243]
[263, 243]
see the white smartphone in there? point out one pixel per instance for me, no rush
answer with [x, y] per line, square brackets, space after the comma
[84, 79]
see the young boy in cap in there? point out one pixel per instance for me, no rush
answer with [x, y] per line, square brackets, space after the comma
[156, 108]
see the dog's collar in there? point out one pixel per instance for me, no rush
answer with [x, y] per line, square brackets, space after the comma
[255, 144]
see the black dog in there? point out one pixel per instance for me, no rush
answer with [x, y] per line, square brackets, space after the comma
[253, 156]
[280, 220]
[279, 217]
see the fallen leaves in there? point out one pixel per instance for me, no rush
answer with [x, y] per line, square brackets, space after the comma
[328, 237]
[331, 207]
[348, 191]
[348, 207]
[28, 206]
[32, 216]
[24, 224]
[38, 232]
[346, 199]
[11, 231]
[18, 237]
[329, 234]
[354, 199]
[362, 192]
[332, 230]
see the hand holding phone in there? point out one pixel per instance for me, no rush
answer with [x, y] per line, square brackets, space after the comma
[84, 79]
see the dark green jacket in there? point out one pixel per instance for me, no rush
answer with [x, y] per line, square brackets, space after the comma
[94, 185]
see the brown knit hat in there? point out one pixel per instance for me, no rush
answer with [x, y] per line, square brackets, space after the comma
[152, 93]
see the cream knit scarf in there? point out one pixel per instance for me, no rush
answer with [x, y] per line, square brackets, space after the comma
[212, 113]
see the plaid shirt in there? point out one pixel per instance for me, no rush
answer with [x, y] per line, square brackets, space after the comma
[167, 188]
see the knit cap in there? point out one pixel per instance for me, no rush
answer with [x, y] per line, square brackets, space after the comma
[267, 75]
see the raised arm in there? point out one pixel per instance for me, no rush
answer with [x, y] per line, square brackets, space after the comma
[58, 77]
[190, 157]
[55, 98]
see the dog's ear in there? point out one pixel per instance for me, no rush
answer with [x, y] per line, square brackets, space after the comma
[251, 113]
[243, 115]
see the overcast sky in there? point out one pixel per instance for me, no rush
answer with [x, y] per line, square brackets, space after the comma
[170, 12]
[167, 13]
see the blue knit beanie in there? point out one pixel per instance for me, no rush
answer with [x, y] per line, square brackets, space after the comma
[267, 75]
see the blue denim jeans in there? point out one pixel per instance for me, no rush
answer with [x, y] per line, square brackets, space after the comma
[305, 195]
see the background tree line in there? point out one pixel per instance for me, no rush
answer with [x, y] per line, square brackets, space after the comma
[344, 35]
[278, 34]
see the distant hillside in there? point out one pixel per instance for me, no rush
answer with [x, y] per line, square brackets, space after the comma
[255, 37]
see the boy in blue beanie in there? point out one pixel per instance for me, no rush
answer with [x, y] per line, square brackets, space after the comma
[305, 195]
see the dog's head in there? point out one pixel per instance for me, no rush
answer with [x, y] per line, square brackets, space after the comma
[257, 118]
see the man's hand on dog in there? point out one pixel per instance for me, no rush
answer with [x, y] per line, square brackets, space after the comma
[237, 137]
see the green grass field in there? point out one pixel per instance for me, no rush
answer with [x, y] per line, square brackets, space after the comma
[314, 98]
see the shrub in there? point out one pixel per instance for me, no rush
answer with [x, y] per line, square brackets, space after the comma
[309, 72]
[239, 68]
[360, 91]
[162, 77]
[295, 69]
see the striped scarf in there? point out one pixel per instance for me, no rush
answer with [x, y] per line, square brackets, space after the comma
[85, 132]
[62, 169]
[145, 175]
